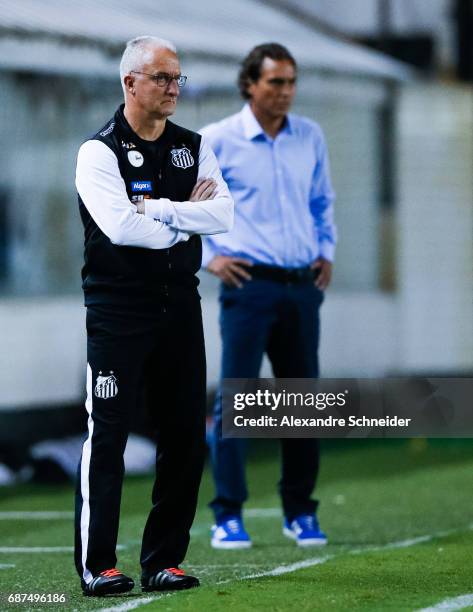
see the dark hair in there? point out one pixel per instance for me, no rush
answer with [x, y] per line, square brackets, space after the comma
[250, 70]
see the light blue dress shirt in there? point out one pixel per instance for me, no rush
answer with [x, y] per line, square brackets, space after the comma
[281, 188]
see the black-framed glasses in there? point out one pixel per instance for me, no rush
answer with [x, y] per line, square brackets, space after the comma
[164, 79]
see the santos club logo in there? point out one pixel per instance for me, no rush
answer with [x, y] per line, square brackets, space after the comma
[106, 386]
[182, 158]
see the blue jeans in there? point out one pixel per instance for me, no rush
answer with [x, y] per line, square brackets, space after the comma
[283, 321]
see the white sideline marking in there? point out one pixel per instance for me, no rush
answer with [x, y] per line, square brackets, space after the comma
[218, 565]
[6, 565]
[262, 512]
[36, 516]
[36, 549]
[402, 543]
[45, 515]
[287, 569]
[452, 603]
[134, 603]
[43, 549]
[129, 605]
[294, 567]
[51, 515]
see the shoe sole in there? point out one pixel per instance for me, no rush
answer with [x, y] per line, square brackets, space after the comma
[307, 542]
[229, 545]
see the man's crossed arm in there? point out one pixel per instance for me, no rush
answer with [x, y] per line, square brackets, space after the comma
[163, 222]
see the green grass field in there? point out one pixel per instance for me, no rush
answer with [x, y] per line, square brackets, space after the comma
[399, 515]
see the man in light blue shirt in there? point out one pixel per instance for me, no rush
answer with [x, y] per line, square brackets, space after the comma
[274, 267]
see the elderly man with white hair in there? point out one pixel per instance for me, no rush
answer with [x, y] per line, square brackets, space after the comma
[147, 190]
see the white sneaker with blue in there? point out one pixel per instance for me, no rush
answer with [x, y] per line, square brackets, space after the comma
[305, 531]
[229, 533]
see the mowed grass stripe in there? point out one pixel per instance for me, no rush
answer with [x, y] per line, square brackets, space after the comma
[36, 549]
[295, 567]
[371, 496]
[42, 549]
[38, 515]
[397, 578]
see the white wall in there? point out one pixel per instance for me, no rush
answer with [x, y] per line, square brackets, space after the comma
[42, 358]
[426, 325]
[435, 227]
[43, 354]
[358, 336]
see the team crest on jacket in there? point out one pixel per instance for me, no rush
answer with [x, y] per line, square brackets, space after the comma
[106, 386]
[182, 158]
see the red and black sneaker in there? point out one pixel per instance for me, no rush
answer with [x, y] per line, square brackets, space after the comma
[169, 579]
[108, 582]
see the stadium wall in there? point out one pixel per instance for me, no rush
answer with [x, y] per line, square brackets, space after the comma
[423, 323]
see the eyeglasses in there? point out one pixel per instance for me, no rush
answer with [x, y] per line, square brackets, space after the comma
[163, 79]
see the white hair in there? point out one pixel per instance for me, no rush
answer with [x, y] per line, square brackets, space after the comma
[138, 51]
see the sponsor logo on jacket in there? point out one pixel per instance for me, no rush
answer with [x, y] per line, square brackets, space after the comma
[108, 130]
[141, 186]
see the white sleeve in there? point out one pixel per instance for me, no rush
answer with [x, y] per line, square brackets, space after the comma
[207, 217]
[103, 192]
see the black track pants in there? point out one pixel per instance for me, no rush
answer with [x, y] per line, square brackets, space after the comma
[134, 356]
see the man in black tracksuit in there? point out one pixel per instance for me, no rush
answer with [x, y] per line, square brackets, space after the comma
[147, 189]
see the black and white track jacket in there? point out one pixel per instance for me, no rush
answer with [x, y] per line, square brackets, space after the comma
[131, 256]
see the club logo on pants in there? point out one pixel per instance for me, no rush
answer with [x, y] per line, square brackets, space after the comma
[106, 386]
[182, 158]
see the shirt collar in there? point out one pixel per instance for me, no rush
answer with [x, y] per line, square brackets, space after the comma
[252, 128]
